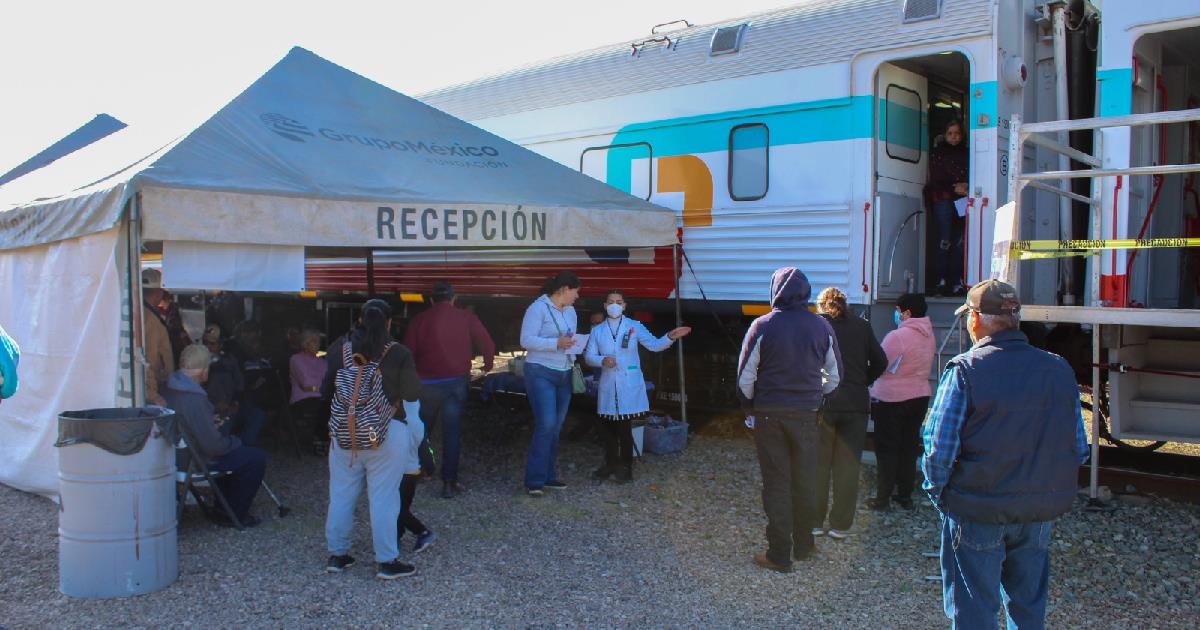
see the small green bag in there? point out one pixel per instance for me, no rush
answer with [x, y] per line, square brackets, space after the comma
[577, 384]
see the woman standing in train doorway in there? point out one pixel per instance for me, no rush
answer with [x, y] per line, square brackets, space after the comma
[948, 173]
[613, 347]
[547, 333]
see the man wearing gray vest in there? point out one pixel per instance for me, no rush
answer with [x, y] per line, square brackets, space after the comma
[1003, 443]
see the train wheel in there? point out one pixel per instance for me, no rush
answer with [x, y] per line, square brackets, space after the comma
[1085, 400]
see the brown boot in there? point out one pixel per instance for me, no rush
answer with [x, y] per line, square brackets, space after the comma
[763, 561]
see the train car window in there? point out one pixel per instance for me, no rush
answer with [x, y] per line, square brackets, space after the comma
[623, 166]
[901, 121]
[749, 161]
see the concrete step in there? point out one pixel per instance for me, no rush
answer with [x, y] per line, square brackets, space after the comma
[1173, 354]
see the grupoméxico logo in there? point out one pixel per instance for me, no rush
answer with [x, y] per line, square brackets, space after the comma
[443, 154]
[289, 128]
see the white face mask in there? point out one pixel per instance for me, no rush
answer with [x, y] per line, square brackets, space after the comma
[614, 310]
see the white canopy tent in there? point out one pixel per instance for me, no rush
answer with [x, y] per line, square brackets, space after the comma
[310, 154]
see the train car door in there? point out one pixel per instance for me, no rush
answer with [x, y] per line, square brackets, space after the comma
[901, 168]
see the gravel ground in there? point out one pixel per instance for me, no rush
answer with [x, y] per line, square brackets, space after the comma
[671, 549]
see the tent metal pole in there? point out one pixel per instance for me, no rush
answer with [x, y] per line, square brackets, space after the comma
[370, 273]
[679, 342]
[137, 341]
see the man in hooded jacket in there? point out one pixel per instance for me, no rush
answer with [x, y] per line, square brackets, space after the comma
[789, 363]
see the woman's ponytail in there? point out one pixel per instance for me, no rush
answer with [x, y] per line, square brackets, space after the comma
[372, 334]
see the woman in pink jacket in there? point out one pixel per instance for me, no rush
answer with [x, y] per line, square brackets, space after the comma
[900, 399]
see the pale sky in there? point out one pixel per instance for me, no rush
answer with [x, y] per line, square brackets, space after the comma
[62, 62]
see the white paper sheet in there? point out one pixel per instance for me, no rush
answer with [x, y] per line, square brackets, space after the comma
[580, 342]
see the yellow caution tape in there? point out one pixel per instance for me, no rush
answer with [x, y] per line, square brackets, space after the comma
[1064, 254]
[1032, 250]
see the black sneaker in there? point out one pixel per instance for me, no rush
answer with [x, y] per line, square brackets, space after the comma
[625, 474]
[602, 473]
[395, 569]
[451, 489]
[534, 492]
[424, 541]
[555, 485]
[904, 502]
[337, 564]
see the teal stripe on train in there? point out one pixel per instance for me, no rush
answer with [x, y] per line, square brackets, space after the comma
[1116, 91]
[828, 120]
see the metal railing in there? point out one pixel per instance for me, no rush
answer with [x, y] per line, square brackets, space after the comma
[1032, 133]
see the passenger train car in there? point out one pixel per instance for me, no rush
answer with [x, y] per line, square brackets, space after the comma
[801, 137]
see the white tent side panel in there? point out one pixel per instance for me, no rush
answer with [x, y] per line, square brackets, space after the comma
[62, 303]
[77, 214]
[231, 217]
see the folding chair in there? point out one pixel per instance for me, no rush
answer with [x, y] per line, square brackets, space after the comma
[197, 472]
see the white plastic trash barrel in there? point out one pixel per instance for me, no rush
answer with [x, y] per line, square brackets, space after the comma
[116, 524]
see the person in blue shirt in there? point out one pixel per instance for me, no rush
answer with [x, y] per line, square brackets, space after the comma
[547, 333]
[1003, 443]
[10, 357]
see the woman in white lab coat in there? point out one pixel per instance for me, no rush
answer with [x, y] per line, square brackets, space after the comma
[621, 396]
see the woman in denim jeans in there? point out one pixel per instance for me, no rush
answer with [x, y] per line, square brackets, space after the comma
[546, 333]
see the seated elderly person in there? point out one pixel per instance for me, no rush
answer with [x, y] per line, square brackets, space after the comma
[185, 394]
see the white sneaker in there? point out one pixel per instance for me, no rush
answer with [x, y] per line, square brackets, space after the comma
[839, 534]
[817, 531]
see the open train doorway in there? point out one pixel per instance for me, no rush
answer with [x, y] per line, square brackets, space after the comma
[1166, 76]
[922, 168]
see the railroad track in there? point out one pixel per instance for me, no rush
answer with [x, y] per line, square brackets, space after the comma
[1168, 475]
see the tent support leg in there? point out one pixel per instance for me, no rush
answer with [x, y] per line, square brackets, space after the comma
[679, 343]
[137, 342]
[1094, 480]
[370, 273]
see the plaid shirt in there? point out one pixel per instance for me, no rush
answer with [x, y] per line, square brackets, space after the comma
[951, 407]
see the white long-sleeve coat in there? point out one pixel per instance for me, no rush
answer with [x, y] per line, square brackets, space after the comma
[622, 390]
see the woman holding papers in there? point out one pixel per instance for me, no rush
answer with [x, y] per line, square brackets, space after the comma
[948, 171]
[548, 334]
[613, 347]
[900, 398]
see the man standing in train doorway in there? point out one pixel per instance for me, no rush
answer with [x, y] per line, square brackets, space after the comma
[789, 363]
[1003, 444]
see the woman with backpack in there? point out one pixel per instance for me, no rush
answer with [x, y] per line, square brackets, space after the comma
[547, 333]
[370, 377]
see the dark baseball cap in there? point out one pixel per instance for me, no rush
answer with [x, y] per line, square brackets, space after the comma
[991, 297]
[442, 291]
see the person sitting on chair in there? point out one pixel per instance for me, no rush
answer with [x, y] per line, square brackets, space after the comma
[246, 465]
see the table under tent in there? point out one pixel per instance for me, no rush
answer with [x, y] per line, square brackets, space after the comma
[310, 157]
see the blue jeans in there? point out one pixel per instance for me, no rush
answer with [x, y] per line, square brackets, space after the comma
[248, 465]
[948, 256]
[443, 403]
[247, 422]
[549, 393]
[984, 565]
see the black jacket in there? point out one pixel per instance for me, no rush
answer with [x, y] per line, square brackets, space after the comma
[863, 361]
